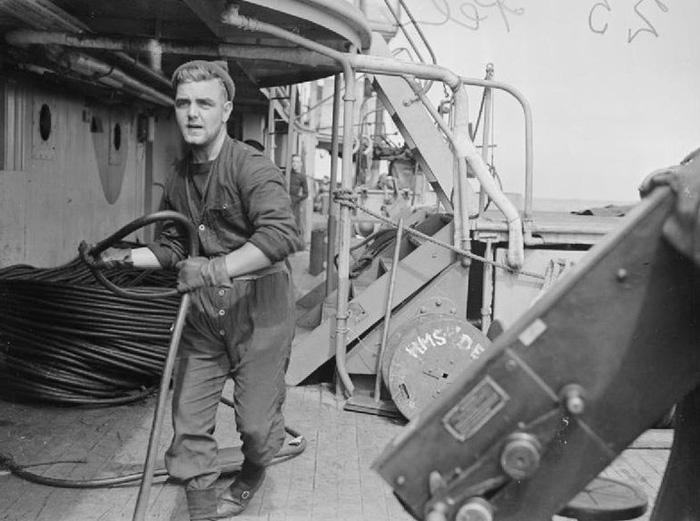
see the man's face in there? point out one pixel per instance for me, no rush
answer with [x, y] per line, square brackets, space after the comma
[296, 163]
[201, 110]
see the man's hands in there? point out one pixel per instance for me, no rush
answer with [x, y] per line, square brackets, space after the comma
[110, 258]
[113, 257]
[682, 228]
[198, 272]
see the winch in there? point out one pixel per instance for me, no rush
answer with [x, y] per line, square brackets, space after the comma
[594, 363]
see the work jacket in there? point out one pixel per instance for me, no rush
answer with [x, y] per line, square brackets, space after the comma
[243, 200]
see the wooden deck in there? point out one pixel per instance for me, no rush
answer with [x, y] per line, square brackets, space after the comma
[330, 481]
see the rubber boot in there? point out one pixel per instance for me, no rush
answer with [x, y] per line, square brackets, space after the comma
[201, 504]
[235, 499]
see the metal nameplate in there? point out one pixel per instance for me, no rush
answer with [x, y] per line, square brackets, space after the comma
[475, 409]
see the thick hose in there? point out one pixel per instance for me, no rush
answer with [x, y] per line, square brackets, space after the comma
[166, 215]
[291, 450]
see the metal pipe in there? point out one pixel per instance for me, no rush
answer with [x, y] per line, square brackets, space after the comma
[487, 288]
[290, 137]
[89, 66]
[144, 69]
[270, 137]
[527, 113]
[333, 207]
[456, 193]
[461, 127]
[344, 245]
[136, 44]
[59, 18]
[486, 132]
[391, 66]
[157, 426]
[155, 55]
[387, 311]
[465, 149]
[419, 31]
[232, 17]
[56, 55]
[396, 16]
[42, 13]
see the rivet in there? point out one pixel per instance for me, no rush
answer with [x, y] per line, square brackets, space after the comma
[475, 509]
[401, 480]
[621, 274]
[572, 396]
[520, 457]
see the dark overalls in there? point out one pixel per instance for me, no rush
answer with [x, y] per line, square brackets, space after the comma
[244, 331]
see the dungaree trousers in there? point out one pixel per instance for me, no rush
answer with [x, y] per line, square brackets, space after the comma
[244, 332]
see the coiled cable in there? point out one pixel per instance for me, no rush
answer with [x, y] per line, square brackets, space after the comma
[67, 340]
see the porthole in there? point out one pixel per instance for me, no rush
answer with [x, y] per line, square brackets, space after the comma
[117, 136]
[45, 122]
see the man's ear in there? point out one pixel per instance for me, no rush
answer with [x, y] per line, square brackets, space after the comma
[228, 108]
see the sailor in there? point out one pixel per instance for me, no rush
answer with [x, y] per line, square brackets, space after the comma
[241, 321]
[299, 192]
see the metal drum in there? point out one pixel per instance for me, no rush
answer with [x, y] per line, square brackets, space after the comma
[425, 356]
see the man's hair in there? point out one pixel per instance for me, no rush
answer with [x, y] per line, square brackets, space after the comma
[200, 70]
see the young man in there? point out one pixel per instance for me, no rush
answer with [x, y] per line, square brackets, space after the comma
[241, 321]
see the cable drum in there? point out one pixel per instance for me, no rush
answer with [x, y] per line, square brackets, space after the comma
[67, 340]
[426, 355]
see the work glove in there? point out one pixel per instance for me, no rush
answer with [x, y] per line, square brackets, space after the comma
[682, 228]
[198, 272]
[110, 258]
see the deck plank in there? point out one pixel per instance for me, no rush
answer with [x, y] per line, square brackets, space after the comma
[330, 481]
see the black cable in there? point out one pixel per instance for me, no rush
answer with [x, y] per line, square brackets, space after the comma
[67, 340]
[296, 446]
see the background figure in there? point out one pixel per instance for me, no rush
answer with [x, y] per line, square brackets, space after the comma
[299, 191]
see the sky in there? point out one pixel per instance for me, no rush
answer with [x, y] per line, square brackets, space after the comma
[614, 86]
